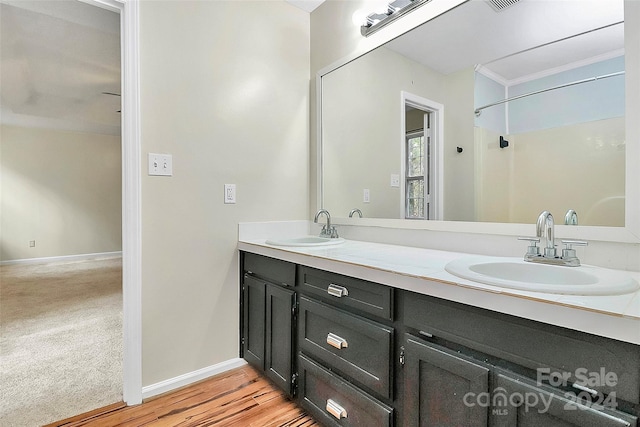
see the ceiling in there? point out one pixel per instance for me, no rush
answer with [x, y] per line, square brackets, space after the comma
[57, 58]
[491, 38]
[306, 5]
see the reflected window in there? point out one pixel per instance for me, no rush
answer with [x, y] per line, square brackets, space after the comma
[415, 177]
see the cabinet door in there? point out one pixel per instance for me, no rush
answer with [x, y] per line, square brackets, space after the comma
[520, 402]
[254, 319]
[279, 335]
[440, 386]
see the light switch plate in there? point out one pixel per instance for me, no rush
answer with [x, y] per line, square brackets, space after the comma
[395, 180]
[160, 164]
[366, 196]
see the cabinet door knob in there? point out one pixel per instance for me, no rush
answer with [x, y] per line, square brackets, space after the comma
[335, 341]
[335, 409]
[337, 291]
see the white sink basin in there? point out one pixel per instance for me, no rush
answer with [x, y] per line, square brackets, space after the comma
[305, 241]
[515, 273]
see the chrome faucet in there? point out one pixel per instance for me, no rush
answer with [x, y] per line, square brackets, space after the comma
[545, 230]
[327, 230]
[355, 211]
[571, 217]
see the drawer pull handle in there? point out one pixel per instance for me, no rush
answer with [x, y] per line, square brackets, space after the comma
[336, 410]
[587, 389]
[335, 341]
[337, 291]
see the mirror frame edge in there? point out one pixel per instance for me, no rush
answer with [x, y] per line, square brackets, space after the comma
[630, 233]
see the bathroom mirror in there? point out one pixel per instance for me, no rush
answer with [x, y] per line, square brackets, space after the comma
[401, 140]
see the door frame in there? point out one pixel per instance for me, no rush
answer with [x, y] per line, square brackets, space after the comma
[437, 156]
[131, 195]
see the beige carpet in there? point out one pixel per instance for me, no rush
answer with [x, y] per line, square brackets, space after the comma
[60, 340]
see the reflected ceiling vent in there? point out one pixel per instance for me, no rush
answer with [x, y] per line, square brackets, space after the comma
[500, 5]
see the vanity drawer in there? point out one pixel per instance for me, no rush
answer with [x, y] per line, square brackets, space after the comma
[359, 348]
[334, 402]
[368, 297]
[273, 270]
[530, 344]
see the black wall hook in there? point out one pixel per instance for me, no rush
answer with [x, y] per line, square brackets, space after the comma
[459, 149]
[503, 142]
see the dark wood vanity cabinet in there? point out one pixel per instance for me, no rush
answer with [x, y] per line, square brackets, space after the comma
[523, 402]
[492, 369]
[358, 353]
[345, 347]
[441, 386]
[268, 319]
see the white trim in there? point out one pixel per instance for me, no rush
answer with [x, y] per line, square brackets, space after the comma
[63, 258]
[191, 377]
[131, 204]
[319, 146]
[112, 5]
[481, 69]
[567, 67]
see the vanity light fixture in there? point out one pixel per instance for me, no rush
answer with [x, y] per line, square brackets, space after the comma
[395, 10]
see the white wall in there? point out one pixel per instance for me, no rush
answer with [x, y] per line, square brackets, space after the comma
[458, 193]
[61, 189]
[586, 159]
[225, 90]
[362, 136]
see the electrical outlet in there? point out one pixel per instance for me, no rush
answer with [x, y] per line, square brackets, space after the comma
[160, 164]
[365, 196]
[32, 243]
[229, 193]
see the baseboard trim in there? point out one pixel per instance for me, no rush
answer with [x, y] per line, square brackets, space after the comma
[190, 378]
[63, 258]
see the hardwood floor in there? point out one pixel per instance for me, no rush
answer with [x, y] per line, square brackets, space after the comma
[240, 397]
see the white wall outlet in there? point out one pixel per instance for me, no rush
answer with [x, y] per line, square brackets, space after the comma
[395, 180]
[229, 193]
[365, 195]
[160, 164]
[32, 243]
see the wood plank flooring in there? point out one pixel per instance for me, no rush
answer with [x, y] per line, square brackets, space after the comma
[240, 397]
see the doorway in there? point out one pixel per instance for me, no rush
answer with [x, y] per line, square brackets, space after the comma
[422, 125]
[130, 197]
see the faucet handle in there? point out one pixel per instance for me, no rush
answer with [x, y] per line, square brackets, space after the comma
[567, 243]
[568, 253]
[532, 249]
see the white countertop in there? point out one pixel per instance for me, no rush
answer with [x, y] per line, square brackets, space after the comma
[422, 271]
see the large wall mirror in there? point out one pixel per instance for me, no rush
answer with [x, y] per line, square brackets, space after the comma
[410, 130]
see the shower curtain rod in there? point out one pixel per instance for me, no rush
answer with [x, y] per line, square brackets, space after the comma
[577, 82]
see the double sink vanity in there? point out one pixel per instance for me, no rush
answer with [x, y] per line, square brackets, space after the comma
[372, 334]
[364, 333]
